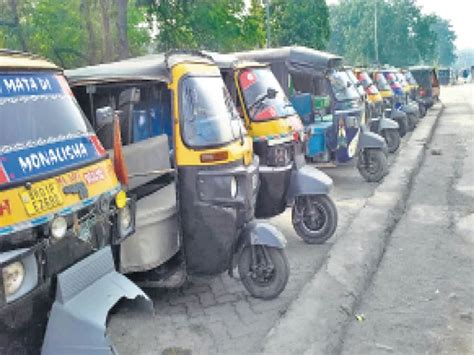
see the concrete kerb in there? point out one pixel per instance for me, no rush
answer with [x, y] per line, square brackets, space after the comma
[316, 320]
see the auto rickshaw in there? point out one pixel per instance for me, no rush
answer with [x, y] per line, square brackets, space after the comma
[414, 94]
[389, 103]
[401, 93]
[445, 76]
[386, 127]
[61, 210]
[329, 106]
[278, 140]
[192, 171]
[427, 79]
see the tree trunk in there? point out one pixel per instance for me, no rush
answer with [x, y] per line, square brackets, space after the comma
[106, 37]
[122, 25]
[92, 43]
[16, 22]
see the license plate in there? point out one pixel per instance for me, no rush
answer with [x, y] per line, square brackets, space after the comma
[41, 198]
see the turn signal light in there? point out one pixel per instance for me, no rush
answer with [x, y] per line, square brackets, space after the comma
[213, 157]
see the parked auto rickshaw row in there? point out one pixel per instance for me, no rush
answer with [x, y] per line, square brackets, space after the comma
[202, 145]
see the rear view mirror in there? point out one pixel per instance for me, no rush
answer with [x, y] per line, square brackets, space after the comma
[104, 116]
[271, 93]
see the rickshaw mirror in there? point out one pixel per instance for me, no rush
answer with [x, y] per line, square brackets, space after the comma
[271, 93]
[104, 116]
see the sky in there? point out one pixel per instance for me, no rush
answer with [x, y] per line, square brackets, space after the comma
[459, 12]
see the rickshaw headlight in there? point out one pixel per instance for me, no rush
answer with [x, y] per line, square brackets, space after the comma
[13, 277]
[233, 187]
[59, 227]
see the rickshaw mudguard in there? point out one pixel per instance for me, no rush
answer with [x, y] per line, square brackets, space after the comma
[398, 115]
[387, 123]
[261, 233]
[85, 293]
[371, 140]
[308, 181]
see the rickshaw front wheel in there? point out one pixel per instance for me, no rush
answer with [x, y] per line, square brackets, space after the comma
[263, 270]
[392, 138]
[314, 218]
[412, 121]
[372, 164]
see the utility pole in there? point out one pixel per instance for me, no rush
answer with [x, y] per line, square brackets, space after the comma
[267, 21]
[376, 40]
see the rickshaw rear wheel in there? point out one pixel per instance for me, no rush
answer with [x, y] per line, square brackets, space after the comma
[412, 121]
[314, 218]
[392, 138]
[403, 126]
[372, 164]
[422, 110]
[266, 276]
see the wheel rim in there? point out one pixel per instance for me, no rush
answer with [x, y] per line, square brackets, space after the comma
[315, 219]
[262, 273]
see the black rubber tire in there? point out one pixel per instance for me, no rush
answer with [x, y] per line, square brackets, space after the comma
[402, 126]
[392, 138]
[328, 212]
[279, 279]
[372, 164]
[412, 121]
[422, 110]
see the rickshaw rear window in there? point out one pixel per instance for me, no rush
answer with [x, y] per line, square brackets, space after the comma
[208, 115]
[37, 107]
[255, 84]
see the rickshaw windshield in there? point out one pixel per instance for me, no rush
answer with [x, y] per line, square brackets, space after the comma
[208, 115]
[368, 84]
[392, 80]
[382, 83]
[355, 81]
[255, 84]
[37, 107]
[342, 86]
[410, 78]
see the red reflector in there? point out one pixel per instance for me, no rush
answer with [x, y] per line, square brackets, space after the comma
[97, 145]
[422, 93]
[216, 156]
[296, 136]
[3, 175]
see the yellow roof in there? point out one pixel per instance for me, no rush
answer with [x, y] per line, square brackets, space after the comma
[18, 60]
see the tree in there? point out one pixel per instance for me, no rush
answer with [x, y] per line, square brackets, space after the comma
[300, 22]
[92, 45]
[122, 28]
[445, 49]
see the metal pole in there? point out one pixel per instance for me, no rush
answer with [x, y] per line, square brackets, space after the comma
[267, 21]
[376, 40]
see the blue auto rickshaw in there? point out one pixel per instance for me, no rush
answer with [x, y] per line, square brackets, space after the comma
[329, 106]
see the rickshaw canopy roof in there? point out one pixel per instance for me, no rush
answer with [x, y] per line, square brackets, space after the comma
[295, 57]
[14, 60]
[229, 61]
[152, 67]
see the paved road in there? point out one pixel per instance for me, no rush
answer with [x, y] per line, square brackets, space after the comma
[216, 315]
[422, 296]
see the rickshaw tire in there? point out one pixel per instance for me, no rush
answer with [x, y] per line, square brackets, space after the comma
[379, 158]
[322, 235]
[282, 273]
[403, 127]
[392, 138]
[412, 121]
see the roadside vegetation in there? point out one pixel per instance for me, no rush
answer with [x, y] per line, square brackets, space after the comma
[79, 32]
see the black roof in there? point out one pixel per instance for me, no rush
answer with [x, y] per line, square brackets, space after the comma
[149, 67]
[297, 57]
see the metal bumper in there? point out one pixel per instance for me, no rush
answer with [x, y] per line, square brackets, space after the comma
[85, 293]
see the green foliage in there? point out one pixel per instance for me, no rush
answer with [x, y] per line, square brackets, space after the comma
[405, 35]
[300, 22]
[57, 29]
[445, 48]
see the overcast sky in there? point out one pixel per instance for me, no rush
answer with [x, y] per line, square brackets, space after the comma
[459, 12]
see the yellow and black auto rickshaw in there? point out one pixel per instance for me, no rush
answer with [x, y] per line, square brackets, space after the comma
[377, 123]
[192, 171]
[62, 210]
[278, 139]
